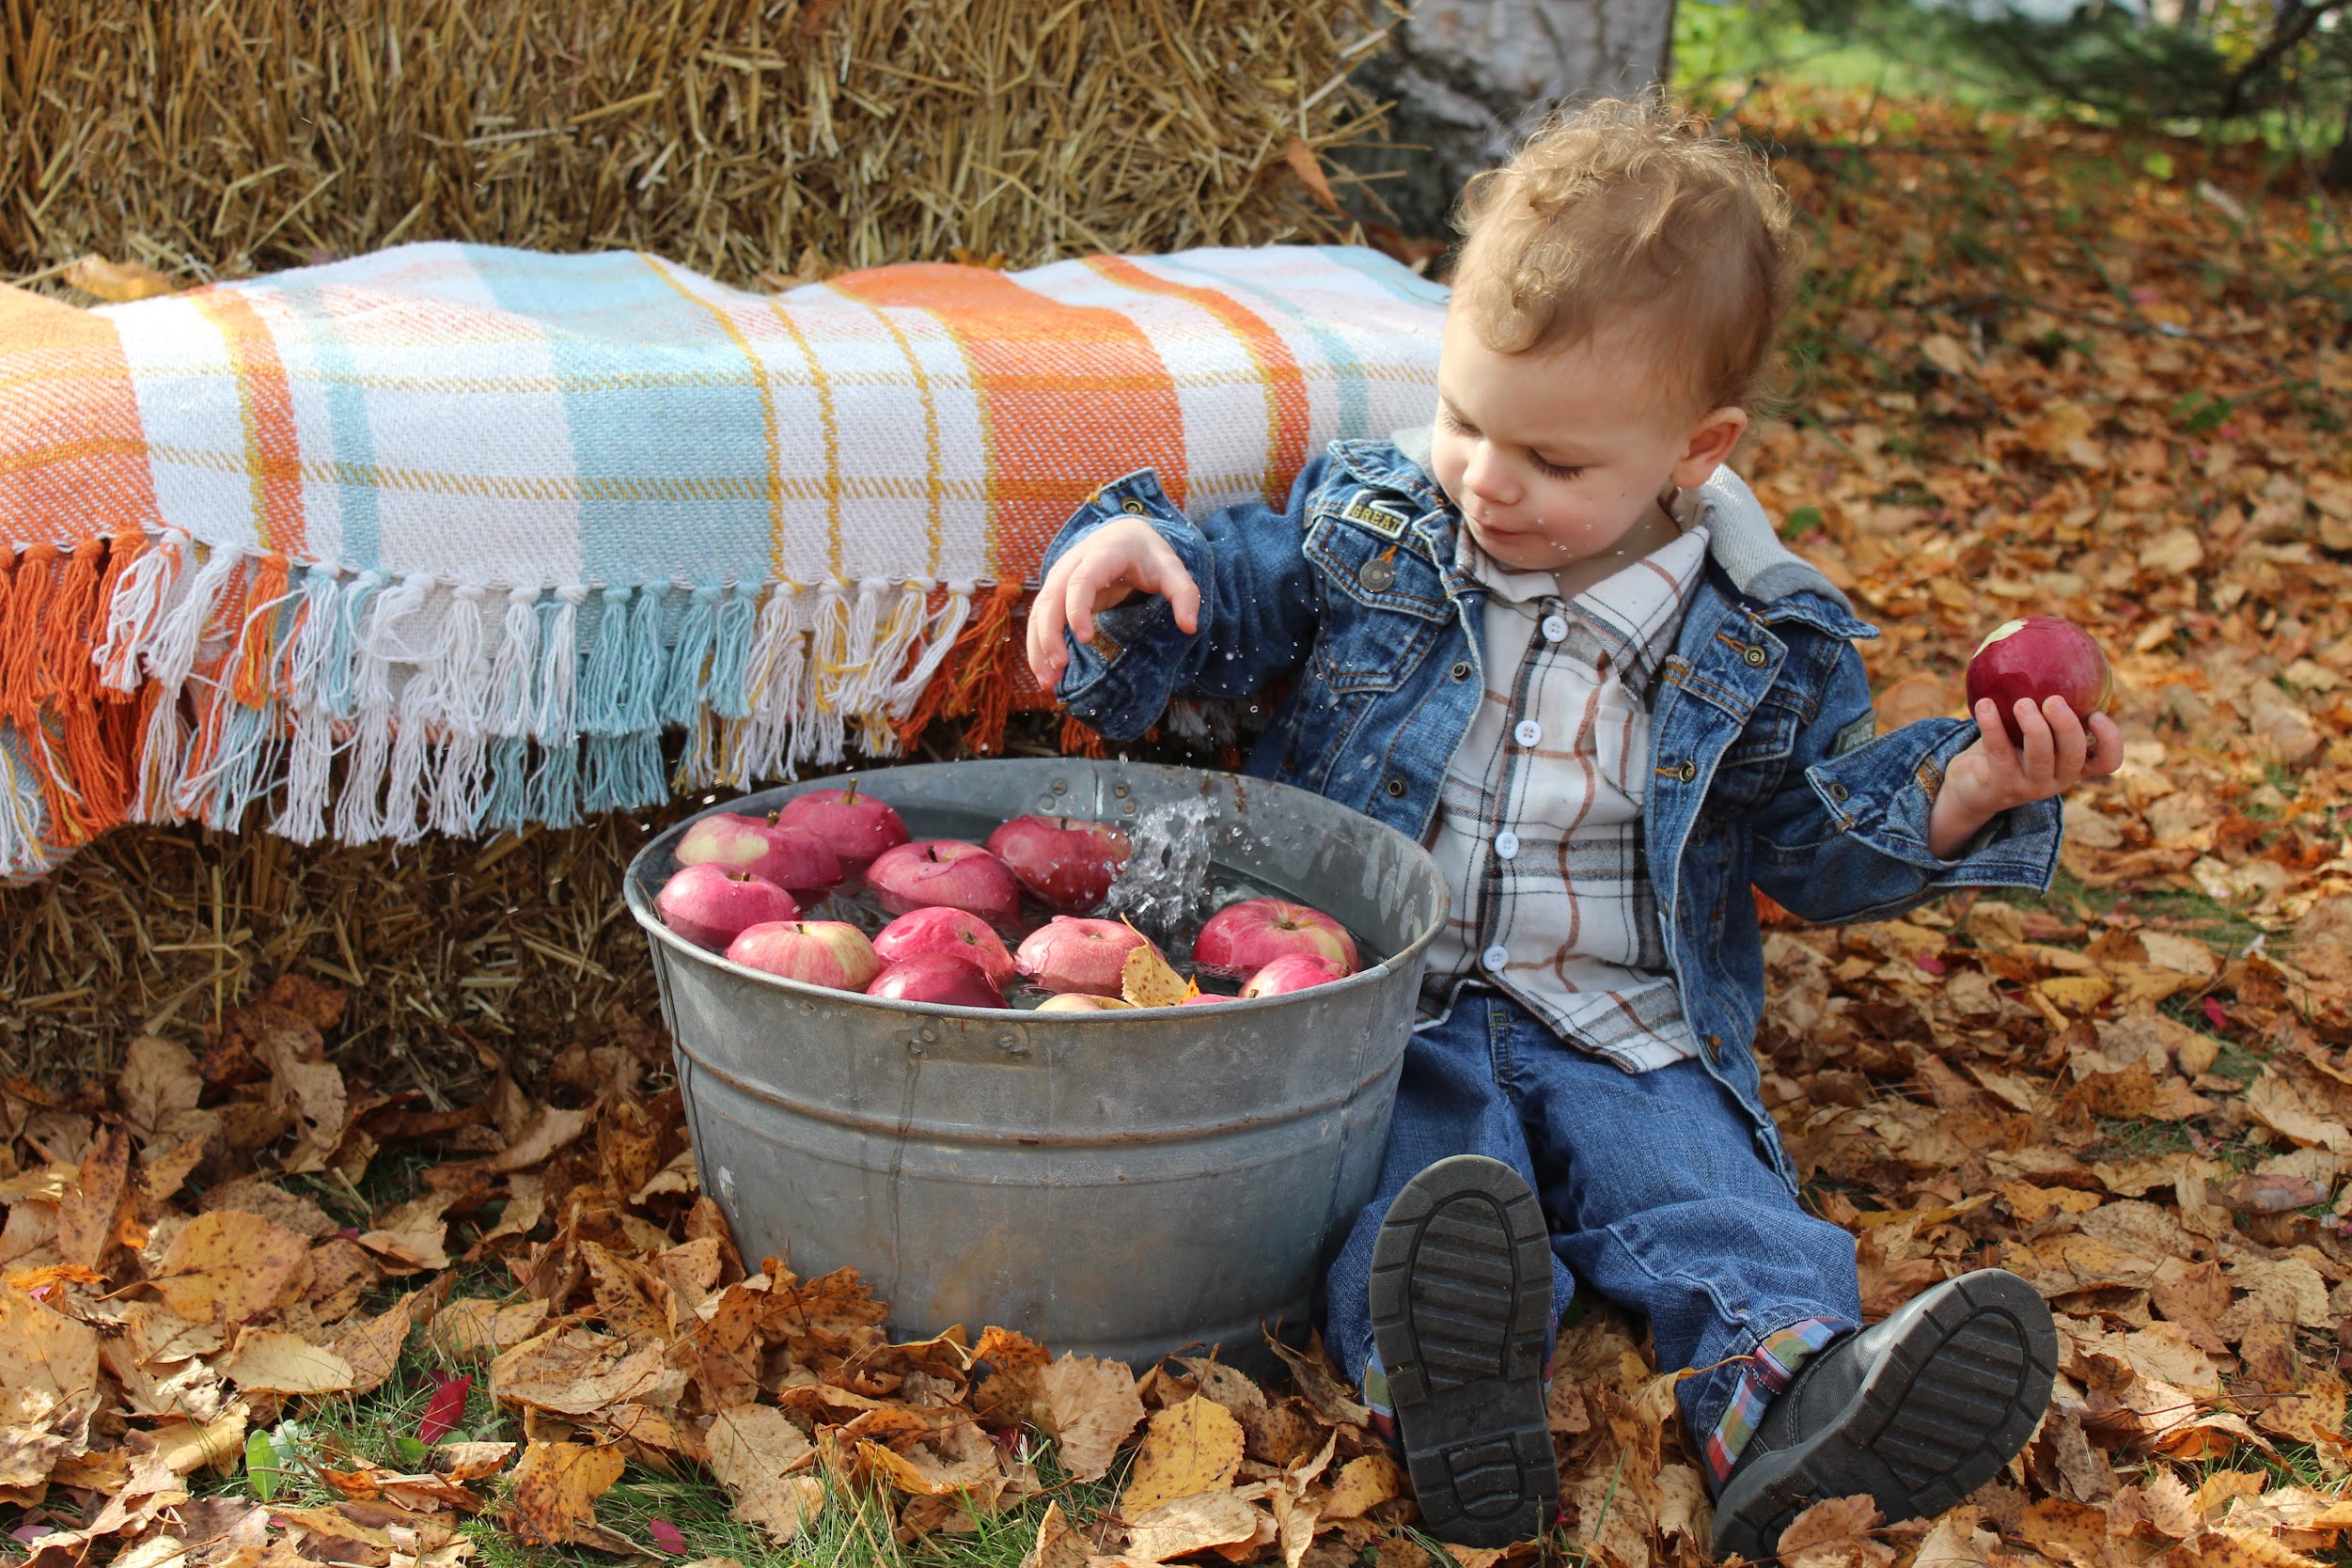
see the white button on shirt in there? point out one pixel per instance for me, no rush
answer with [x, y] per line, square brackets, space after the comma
[1543, 850]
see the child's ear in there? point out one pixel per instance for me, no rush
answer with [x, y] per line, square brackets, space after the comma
[1709, 447]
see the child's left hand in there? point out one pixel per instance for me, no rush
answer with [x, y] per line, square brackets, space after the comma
[1994, 774]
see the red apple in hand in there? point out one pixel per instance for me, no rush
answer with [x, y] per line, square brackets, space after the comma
[946, 871]
[819, 952]
[937, 978]
[1067, 953]
[2036, 658]
[1291, 972]
[1067, 861]
[801, 862]
[858, 826]
[1243, 938]
[957, 932]
[709, 905]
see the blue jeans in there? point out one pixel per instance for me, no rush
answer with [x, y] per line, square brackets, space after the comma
[1659, 1188]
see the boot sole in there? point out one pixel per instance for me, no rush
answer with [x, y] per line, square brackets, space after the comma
[1953, 1394]
[1461, 1309]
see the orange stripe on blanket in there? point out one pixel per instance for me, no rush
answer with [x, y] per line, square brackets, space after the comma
[69, 422]
[1278, 367]
[1071, 397]
[266, 403]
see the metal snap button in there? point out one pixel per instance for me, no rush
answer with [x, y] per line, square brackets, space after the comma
[1462, 669]
[1687, 771]
[1755, 656]
[1396, 788]
[1838, 791]
[1377, 576]
[1132, 507]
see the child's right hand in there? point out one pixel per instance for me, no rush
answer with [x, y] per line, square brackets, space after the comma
[1109, 566]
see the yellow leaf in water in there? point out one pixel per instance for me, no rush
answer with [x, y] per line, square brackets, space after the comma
[1147, 979]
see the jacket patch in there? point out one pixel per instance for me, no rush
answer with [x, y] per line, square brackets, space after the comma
[1380, 519]
[1855, 736]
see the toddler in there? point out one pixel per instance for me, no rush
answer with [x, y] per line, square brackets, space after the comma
[1555, 640]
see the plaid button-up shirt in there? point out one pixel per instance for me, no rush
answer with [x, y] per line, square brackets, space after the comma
[1538, 820]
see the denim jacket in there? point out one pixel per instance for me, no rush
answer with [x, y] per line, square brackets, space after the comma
[1767, 766]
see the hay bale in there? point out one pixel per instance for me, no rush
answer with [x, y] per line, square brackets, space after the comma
[738, 136]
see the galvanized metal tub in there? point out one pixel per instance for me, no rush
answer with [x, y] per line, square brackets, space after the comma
[1114, 1184]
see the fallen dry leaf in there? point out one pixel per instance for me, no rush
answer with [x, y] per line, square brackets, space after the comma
[1195, 1446]
[754, 1450]
[1088, 1407]
[555, 1488]
[1190, 1524]
[268, 1361]
[227, 1267]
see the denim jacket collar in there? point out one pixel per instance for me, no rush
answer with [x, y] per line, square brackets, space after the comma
[1741, 540]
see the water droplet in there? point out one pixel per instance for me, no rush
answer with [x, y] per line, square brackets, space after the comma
[1162, 886]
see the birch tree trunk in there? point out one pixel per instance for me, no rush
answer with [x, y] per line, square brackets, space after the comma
[1469, 75]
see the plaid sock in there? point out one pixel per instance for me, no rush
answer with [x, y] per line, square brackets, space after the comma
[1384, 1414]
[1775, 1362]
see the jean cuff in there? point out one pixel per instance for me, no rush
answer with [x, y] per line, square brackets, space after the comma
[1767, 1371]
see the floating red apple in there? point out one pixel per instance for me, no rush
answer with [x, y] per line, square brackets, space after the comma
[1070, 953]
[2035, 658]
[1067, 861]
[946, 871]
[1243, 938]
[940, 978]
[800, 862]
[1291, 972]
[958, 932]
[856, 825]
[709, 904]
[1084, 1001]
[818, 953]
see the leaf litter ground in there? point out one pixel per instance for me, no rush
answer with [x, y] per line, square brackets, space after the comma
[257, 1312]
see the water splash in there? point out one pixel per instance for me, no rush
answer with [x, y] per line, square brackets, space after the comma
[1164, 888]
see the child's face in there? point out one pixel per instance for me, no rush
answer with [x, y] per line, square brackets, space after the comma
[1553, 456]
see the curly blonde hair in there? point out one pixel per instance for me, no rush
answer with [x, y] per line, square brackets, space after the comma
[1622, 207]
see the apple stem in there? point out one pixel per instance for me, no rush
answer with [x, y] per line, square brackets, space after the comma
[850, 793]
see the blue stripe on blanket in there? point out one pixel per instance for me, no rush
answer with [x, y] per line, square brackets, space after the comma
[668, 441]
[339, 388]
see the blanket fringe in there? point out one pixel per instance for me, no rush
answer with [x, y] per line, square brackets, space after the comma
[154, 679]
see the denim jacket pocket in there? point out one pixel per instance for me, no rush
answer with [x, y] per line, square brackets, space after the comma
[1752, 767]
[1385, 606]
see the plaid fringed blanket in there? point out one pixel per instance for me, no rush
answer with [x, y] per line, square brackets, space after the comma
[443, 538]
